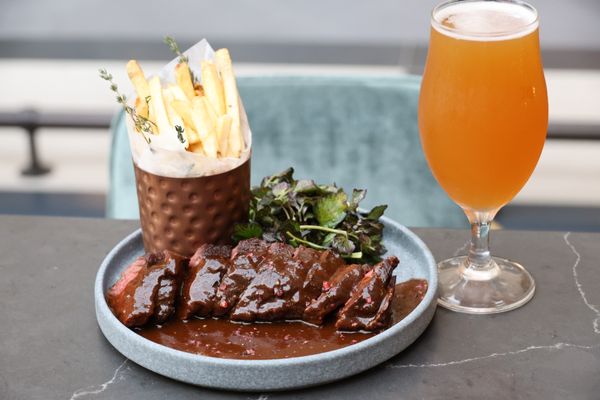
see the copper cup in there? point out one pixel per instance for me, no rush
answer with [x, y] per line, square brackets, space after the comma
[181, 214]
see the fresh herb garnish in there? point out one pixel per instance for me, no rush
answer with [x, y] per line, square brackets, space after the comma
[175, 49]
[183, 59]
[301, 212]
[179, 131]
[142, 124]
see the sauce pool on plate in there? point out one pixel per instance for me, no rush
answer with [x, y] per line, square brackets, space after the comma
[271, 340]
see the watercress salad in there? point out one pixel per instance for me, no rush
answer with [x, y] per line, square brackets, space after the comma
[301, 212]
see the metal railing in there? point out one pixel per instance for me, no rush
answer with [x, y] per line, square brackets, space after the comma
[31, 121]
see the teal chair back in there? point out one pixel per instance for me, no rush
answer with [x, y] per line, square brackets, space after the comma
[359, 132]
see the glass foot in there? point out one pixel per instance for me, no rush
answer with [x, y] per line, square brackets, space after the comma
[502, 286]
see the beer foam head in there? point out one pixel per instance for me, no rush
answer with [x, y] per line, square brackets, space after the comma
[485, 20]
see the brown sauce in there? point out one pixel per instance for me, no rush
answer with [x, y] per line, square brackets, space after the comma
[262, 341]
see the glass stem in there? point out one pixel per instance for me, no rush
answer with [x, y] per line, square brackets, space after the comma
[479, 258]
[479, 251]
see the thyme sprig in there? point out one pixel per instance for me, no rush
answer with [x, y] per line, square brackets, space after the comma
[180, 131]
[174, 47]
[142, 124]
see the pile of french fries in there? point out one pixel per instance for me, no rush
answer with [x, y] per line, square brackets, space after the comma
[204, 117]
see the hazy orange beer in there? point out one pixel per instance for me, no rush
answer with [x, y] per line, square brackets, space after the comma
[483, 107]
[483, 114]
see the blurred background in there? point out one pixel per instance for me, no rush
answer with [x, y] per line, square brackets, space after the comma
[55, 111]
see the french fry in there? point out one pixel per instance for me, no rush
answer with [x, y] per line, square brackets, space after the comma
[177, 122]
[197, 148]
[175, 119]
[213, 87]
[236, 141]
[141, 107]
[184, 109]
[223, 129]
[192, 135]
[204, 126]
[142, 89]
[199, 89]
[177, 93]
[166, 134]
[184, 79]
[158, 106]
[214, 117]
[136, 75]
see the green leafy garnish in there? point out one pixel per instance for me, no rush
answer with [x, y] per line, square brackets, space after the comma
[330, 210]
[301, 212]
[376, 212]
[247, 231]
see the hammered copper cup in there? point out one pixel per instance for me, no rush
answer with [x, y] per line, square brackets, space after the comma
[181, 214]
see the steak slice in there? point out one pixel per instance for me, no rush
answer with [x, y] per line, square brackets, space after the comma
[321, 266]
[369, 305]
[199, 290]
[245, 260]
[174, 267]
[334, 293]
[274, 291]
[147, 289]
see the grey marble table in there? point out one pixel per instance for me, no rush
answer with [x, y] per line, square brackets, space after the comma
[51, 347]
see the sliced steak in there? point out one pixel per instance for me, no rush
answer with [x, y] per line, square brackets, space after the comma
[334, 292]
[147, 289]
[199, 291]
[255, 281]
[274, 292]
[321, 267]
[369, 305]
[245, 260]
[173, 267]
[130, 278]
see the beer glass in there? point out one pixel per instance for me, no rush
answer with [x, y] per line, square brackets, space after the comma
[483, 116]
